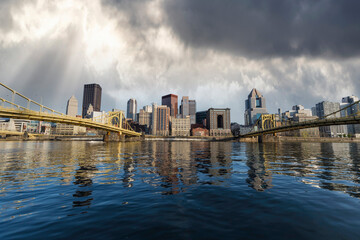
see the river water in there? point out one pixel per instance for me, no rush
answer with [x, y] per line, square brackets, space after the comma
[179, 190]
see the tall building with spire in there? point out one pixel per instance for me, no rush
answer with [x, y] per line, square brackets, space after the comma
[92, 95]
[255, 105]
[72, 106]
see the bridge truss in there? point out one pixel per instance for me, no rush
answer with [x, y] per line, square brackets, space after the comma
[114, 121]
[266, 124]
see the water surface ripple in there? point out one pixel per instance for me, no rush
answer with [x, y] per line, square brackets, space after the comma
[179, 190]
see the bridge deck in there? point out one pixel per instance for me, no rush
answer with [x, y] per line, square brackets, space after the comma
[307, 124]
[65, 119]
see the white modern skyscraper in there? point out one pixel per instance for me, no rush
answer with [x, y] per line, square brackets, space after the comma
[254, 107]
[72, 106]
[148, 108]
[131, 109]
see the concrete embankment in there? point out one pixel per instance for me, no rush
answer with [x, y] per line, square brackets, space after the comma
[189, 138]
[319, 139]
[79, 138]
[270, 138]
[41, 137]
[116, 138]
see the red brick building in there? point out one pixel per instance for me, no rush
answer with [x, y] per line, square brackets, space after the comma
[171, 100]
[199, 130]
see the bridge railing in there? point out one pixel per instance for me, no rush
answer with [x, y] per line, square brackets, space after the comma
[45, 111]
[325, 119]
[3, 101]
[28, 101]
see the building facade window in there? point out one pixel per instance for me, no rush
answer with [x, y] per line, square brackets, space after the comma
[258, 102]
[220, 121]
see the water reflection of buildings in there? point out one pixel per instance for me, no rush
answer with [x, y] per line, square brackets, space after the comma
[83, 178]
[338, 167]
[173, 167]
[181, 164]
[331, 166]
[355, 156]
[185, 166]
[32, 165]
[20, 157]
[259, 157]
[213, 161]
[171, 161]
[130, 162]
[120, 161]
[220, 158]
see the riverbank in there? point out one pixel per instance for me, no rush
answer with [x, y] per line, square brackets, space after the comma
[41, 137]
[101, 138]
[319, 139]
[269, 138]
[187, 138]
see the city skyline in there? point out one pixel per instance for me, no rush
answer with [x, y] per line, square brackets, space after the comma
[260, 102]
[312, 50]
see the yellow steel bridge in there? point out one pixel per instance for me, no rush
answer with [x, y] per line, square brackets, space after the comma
[114, 122]
[266, 124]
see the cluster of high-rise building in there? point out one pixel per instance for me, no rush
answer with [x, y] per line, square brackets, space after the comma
[170, 119]
[255, 106]
[180, 118]
[167, 119]
[91, 106]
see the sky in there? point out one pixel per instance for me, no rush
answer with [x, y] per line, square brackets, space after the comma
[214, 51]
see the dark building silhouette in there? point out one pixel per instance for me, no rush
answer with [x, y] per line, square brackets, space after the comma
[171, 101]
[201, 117]
[92, 95]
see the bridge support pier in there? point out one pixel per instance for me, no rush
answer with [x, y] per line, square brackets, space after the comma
[25, 136]
[267, 138]
[114, 137]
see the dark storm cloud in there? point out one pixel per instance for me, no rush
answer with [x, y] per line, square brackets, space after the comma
[48, 50]
[134, 10]
[269, 28]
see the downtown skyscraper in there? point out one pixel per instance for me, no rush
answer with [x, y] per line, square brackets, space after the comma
[188, 108]
[171, 100]
[160, 120]
[255, 105]
[72, 106]
[92, 95]
[131, 109]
